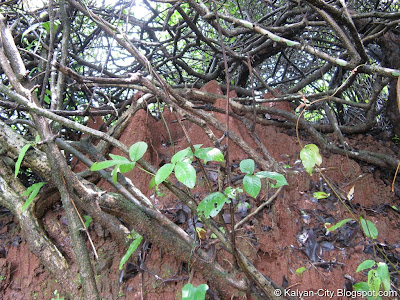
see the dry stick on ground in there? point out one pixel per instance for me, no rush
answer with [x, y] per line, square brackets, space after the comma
[269, 201]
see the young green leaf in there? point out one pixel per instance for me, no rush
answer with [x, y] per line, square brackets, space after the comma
[114, 174]
[21, 156]
[88, 220]
[163, 173]
[366, 264]
[119, 159]
[152, 183]
[46, 25]
[361, 286]
[300, 271]
[103, 165]
[209, 154]
[32, 191]
[252, 185]
[279, 178]
[125, 168]
[310, 157]
[132, 247]
[47, 99]
[369, 228]
[339, 224]
[137, 150]
[374, 282]
[320, 195]
[212, 204]
[383, 273]
[247, 166]
[180, 155]
[185, 173]
[196, 147]
[190, 292]
[232, 193]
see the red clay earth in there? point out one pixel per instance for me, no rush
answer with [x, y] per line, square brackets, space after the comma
[275, 240]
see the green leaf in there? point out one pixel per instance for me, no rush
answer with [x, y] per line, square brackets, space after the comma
[46, 25]
[320, 195]
[300, 271]
[137, 150]
[212, 204]
[114, 174]
[252, 185]
[209, 154]
[337, 225]
[247, 166]
[186, 174]
[178, 156]
[152, 183]
[361, 286]
[21, 156]
[32, 191]
[196, 147]
[163, 173]
[279, 178]
[366, 264]
[132, 247]
[190, 292]
[369, 228]
[103, 165]
[232, 193]
[383, 274]
[47, 99]
[88, 220]
[374, 282]
[124, 168]
[119, 159]
[310, 157]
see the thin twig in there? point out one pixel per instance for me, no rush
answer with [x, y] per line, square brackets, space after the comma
[258, 209]
[227, 168]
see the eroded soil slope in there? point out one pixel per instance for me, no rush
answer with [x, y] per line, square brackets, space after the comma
[286, 235]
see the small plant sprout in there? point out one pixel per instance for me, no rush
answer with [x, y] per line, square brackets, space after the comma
[137, 239]
[122, 164]
[181, 165]
[32, 192]
[378, 278]
[252, 182]
[329, 227]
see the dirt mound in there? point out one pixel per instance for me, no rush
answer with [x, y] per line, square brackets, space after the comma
[283, 237]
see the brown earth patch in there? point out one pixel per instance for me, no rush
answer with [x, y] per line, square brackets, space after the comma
[274, 239]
